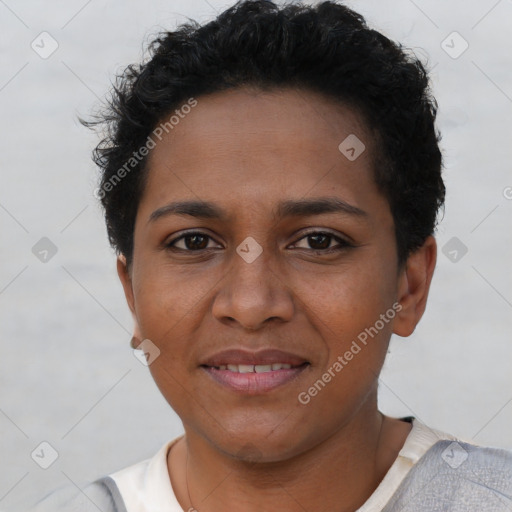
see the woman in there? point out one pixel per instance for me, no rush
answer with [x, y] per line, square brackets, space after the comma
[271, 182]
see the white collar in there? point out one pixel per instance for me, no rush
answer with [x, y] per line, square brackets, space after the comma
[146, 486]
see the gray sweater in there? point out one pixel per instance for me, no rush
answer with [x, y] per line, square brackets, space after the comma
[450, 477]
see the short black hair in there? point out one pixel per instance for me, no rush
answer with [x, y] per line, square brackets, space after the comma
[327, 48]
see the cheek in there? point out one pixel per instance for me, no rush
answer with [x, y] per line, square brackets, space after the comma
[349, 299]
[347, 318]
[346, 310]
[171, 306]
[164, 296]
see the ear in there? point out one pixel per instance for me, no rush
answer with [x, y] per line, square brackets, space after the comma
[124, 275]
[413, 287]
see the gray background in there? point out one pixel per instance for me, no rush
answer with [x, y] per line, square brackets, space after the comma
[67, 374]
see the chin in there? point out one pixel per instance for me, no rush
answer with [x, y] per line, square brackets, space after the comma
[256, 445]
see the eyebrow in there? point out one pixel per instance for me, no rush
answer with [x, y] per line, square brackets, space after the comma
[288, 208]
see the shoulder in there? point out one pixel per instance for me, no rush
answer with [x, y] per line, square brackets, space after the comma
[101, 495]
[487, 463]
[113, 493]
[457, 476]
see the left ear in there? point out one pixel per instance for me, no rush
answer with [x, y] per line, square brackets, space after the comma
[413, 287]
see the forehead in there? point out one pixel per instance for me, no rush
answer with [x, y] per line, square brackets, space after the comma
[251, 145]
[272, 118]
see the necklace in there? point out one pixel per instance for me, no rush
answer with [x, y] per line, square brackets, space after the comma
[192, 509]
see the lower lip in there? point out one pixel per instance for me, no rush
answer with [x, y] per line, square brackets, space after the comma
[254, 383]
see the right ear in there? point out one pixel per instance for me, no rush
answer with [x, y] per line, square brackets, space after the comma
[124, 276]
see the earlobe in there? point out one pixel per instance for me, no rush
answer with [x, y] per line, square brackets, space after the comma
[414, 286]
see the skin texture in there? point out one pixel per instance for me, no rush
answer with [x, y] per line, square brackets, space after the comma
[246, 150]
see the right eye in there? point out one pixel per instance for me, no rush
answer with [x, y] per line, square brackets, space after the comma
[193, 241]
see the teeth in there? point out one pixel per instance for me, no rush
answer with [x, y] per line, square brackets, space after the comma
[254, 368]
[260, 368]
[278, 366]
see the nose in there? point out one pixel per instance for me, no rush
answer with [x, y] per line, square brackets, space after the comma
[253, 294]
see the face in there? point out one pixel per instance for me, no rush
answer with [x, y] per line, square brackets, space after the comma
[292, 260]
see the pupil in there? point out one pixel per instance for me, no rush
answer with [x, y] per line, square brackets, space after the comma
[195, 239]
[324, 245]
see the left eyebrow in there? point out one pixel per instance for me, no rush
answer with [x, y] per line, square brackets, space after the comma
[317, 206]
[288, 208]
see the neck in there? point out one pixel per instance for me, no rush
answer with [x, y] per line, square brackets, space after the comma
[339, 474]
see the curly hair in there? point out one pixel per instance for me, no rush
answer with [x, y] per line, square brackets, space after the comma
[327, 48]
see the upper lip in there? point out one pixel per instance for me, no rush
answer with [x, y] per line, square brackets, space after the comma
[267, 356]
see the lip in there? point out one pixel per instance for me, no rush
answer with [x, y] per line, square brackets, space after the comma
[254, 383]
[267, 356]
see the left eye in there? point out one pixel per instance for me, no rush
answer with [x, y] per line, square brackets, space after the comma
[318, 241]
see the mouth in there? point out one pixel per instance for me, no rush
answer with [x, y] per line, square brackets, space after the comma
[255, 379]
[254, 368]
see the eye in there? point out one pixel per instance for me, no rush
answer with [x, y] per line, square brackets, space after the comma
[320, 242]
[193, 241]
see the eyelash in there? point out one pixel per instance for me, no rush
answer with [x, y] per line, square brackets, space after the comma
[344, 244]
